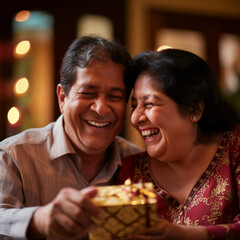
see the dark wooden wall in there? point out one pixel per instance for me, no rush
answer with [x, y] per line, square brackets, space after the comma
[66, 15]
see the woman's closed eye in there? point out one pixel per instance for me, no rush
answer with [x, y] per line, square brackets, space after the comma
[149, 105]
[146, 105]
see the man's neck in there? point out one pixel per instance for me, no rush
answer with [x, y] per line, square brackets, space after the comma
[91, 164]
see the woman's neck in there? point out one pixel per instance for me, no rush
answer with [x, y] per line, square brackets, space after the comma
[180, 176]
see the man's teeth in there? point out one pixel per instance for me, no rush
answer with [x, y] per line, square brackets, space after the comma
[148, 133]
[98, 124]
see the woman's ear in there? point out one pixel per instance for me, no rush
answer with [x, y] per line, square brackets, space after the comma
[195, 117]
[61, 97]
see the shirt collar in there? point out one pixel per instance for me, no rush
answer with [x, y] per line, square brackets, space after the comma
[106, 174]
[61, 144]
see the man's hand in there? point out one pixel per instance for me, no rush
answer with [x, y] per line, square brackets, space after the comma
[67, 216]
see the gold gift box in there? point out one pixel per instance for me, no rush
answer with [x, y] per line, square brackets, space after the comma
[128, 208]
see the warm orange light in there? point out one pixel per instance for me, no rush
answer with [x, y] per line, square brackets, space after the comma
[22, 47]
[163, 47]
[13, 115]
[21, 86]
[127, 182]
[22, 16]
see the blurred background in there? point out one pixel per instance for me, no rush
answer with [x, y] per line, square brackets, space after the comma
[34, 35]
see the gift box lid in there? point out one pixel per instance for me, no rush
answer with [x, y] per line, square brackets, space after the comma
[127, 194]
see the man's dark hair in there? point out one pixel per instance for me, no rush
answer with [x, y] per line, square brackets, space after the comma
[84, 50]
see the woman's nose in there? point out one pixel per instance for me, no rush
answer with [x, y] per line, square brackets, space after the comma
[100, 106]
[138, 116]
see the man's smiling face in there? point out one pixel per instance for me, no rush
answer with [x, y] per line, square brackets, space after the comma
[94, 108]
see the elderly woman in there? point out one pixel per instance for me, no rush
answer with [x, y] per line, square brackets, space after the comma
[192, 138]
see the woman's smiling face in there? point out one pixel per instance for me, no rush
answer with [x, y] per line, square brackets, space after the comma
[167, 133]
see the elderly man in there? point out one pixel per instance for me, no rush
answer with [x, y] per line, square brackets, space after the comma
[44, 172]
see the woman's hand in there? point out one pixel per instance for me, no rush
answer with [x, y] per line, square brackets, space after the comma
[169, 231]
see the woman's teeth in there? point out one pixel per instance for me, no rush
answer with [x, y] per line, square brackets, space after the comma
[149, 133]
[96, 124]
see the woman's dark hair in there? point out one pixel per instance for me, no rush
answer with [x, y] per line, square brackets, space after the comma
[84, 50]
[188, 80]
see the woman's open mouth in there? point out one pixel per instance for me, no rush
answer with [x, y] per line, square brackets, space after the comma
[149, 133]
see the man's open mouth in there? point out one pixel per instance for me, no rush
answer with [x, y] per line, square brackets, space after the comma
[98, 124]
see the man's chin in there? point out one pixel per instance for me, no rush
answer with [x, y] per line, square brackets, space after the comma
[97, 147]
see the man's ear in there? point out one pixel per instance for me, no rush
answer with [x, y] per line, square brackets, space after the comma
[61, 97]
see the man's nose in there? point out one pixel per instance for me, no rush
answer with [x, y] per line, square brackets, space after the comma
[100, 106]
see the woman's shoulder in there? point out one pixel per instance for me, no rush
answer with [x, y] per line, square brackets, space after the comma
[234, 135]
[135, 157]
[135, 160]
[132, 168]
[231, 145]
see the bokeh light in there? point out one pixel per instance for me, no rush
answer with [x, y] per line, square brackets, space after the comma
[13, 115]
[22, 16]
[21, 86]
[22, 48]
